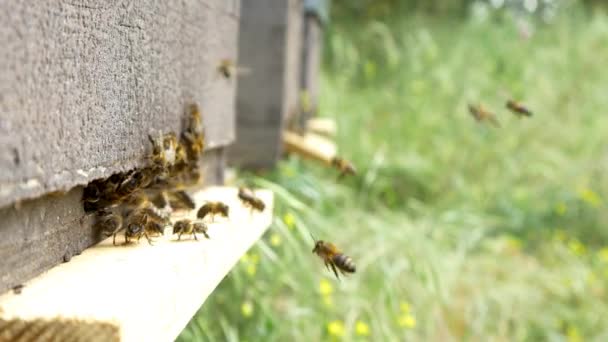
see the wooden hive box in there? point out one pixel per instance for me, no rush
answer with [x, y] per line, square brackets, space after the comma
[267, 98]
[83, 84]
[315, 17]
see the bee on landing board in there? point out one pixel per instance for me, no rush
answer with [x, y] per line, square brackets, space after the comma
[518, 109]
[186, 226]
[482, 115]
[344, 166]
[213, 208]
[334, 258]
[109, 223]
[137, 227]
[249, 199]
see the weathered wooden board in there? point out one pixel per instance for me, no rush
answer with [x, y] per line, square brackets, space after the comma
[136, 292]
[312, 43]
[267, 98]
[39, 234]
[82, 84]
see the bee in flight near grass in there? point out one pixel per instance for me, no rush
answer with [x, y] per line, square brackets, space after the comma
[249, 199]
[333, 257]
[518, 108]
[482, 115]
[344, 166]
[213, 208]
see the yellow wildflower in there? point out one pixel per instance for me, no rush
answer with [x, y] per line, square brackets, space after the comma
[573, 335]
[335, 328]
[603, 254]
[590, 197]
[325, 287]
[407, 321]
[361, 328]
[561, 209]
[247, 309]
[576, 247]
[245, 258]
[275, 240]
[405, 307]
[251, 269]
[290, 220]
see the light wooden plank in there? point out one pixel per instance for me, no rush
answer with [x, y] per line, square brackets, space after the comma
[322, 126]
[149, 293]
[311, 146]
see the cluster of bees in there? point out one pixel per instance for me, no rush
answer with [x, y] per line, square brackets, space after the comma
[140, 202]
[481, 114]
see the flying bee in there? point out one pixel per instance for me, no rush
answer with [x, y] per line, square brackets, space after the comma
[518, 108]
[227, 68]
[188, 227]
[136, 228]
[482, 115]
[332, 257]
[213, 208]
[181, 200]
[249, 199]
[344, 166]
[109, 223]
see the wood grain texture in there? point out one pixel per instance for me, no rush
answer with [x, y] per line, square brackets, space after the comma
[312, 43]
[82, 84]
[41, 233]
[269, 44]
[148, 292]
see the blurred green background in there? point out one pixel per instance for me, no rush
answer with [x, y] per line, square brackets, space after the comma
[460, 231]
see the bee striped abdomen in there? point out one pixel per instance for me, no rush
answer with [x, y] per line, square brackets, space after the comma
[344, 263]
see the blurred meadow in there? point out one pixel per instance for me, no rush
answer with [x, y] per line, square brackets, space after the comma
[460, 230]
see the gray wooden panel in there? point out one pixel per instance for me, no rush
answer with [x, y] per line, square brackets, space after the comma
[83, 82]
[40, 233]
[269, 44]
[311, 64]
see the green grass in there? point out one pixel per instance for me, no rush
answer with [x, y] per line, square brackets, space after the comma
[459, 230]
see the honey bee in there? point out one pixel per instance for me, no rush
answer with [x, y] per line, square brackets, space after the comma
[227, 68]
[518, 108]
[193, 136]
[136, 228]
[249, 199]
[212, 208]
[188, 227]
[482, 115]
[344, 166]
[181, 200]
[332, 257]
[109, 223]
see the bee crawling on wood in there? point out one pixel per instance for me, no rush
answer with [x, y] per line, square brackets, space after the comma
[213, 208]
[482, 115]
[518, 108]
[249, 199]
[109, 223]
[188, 227]
[332, 257]
[137, 227]
[344, 166]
